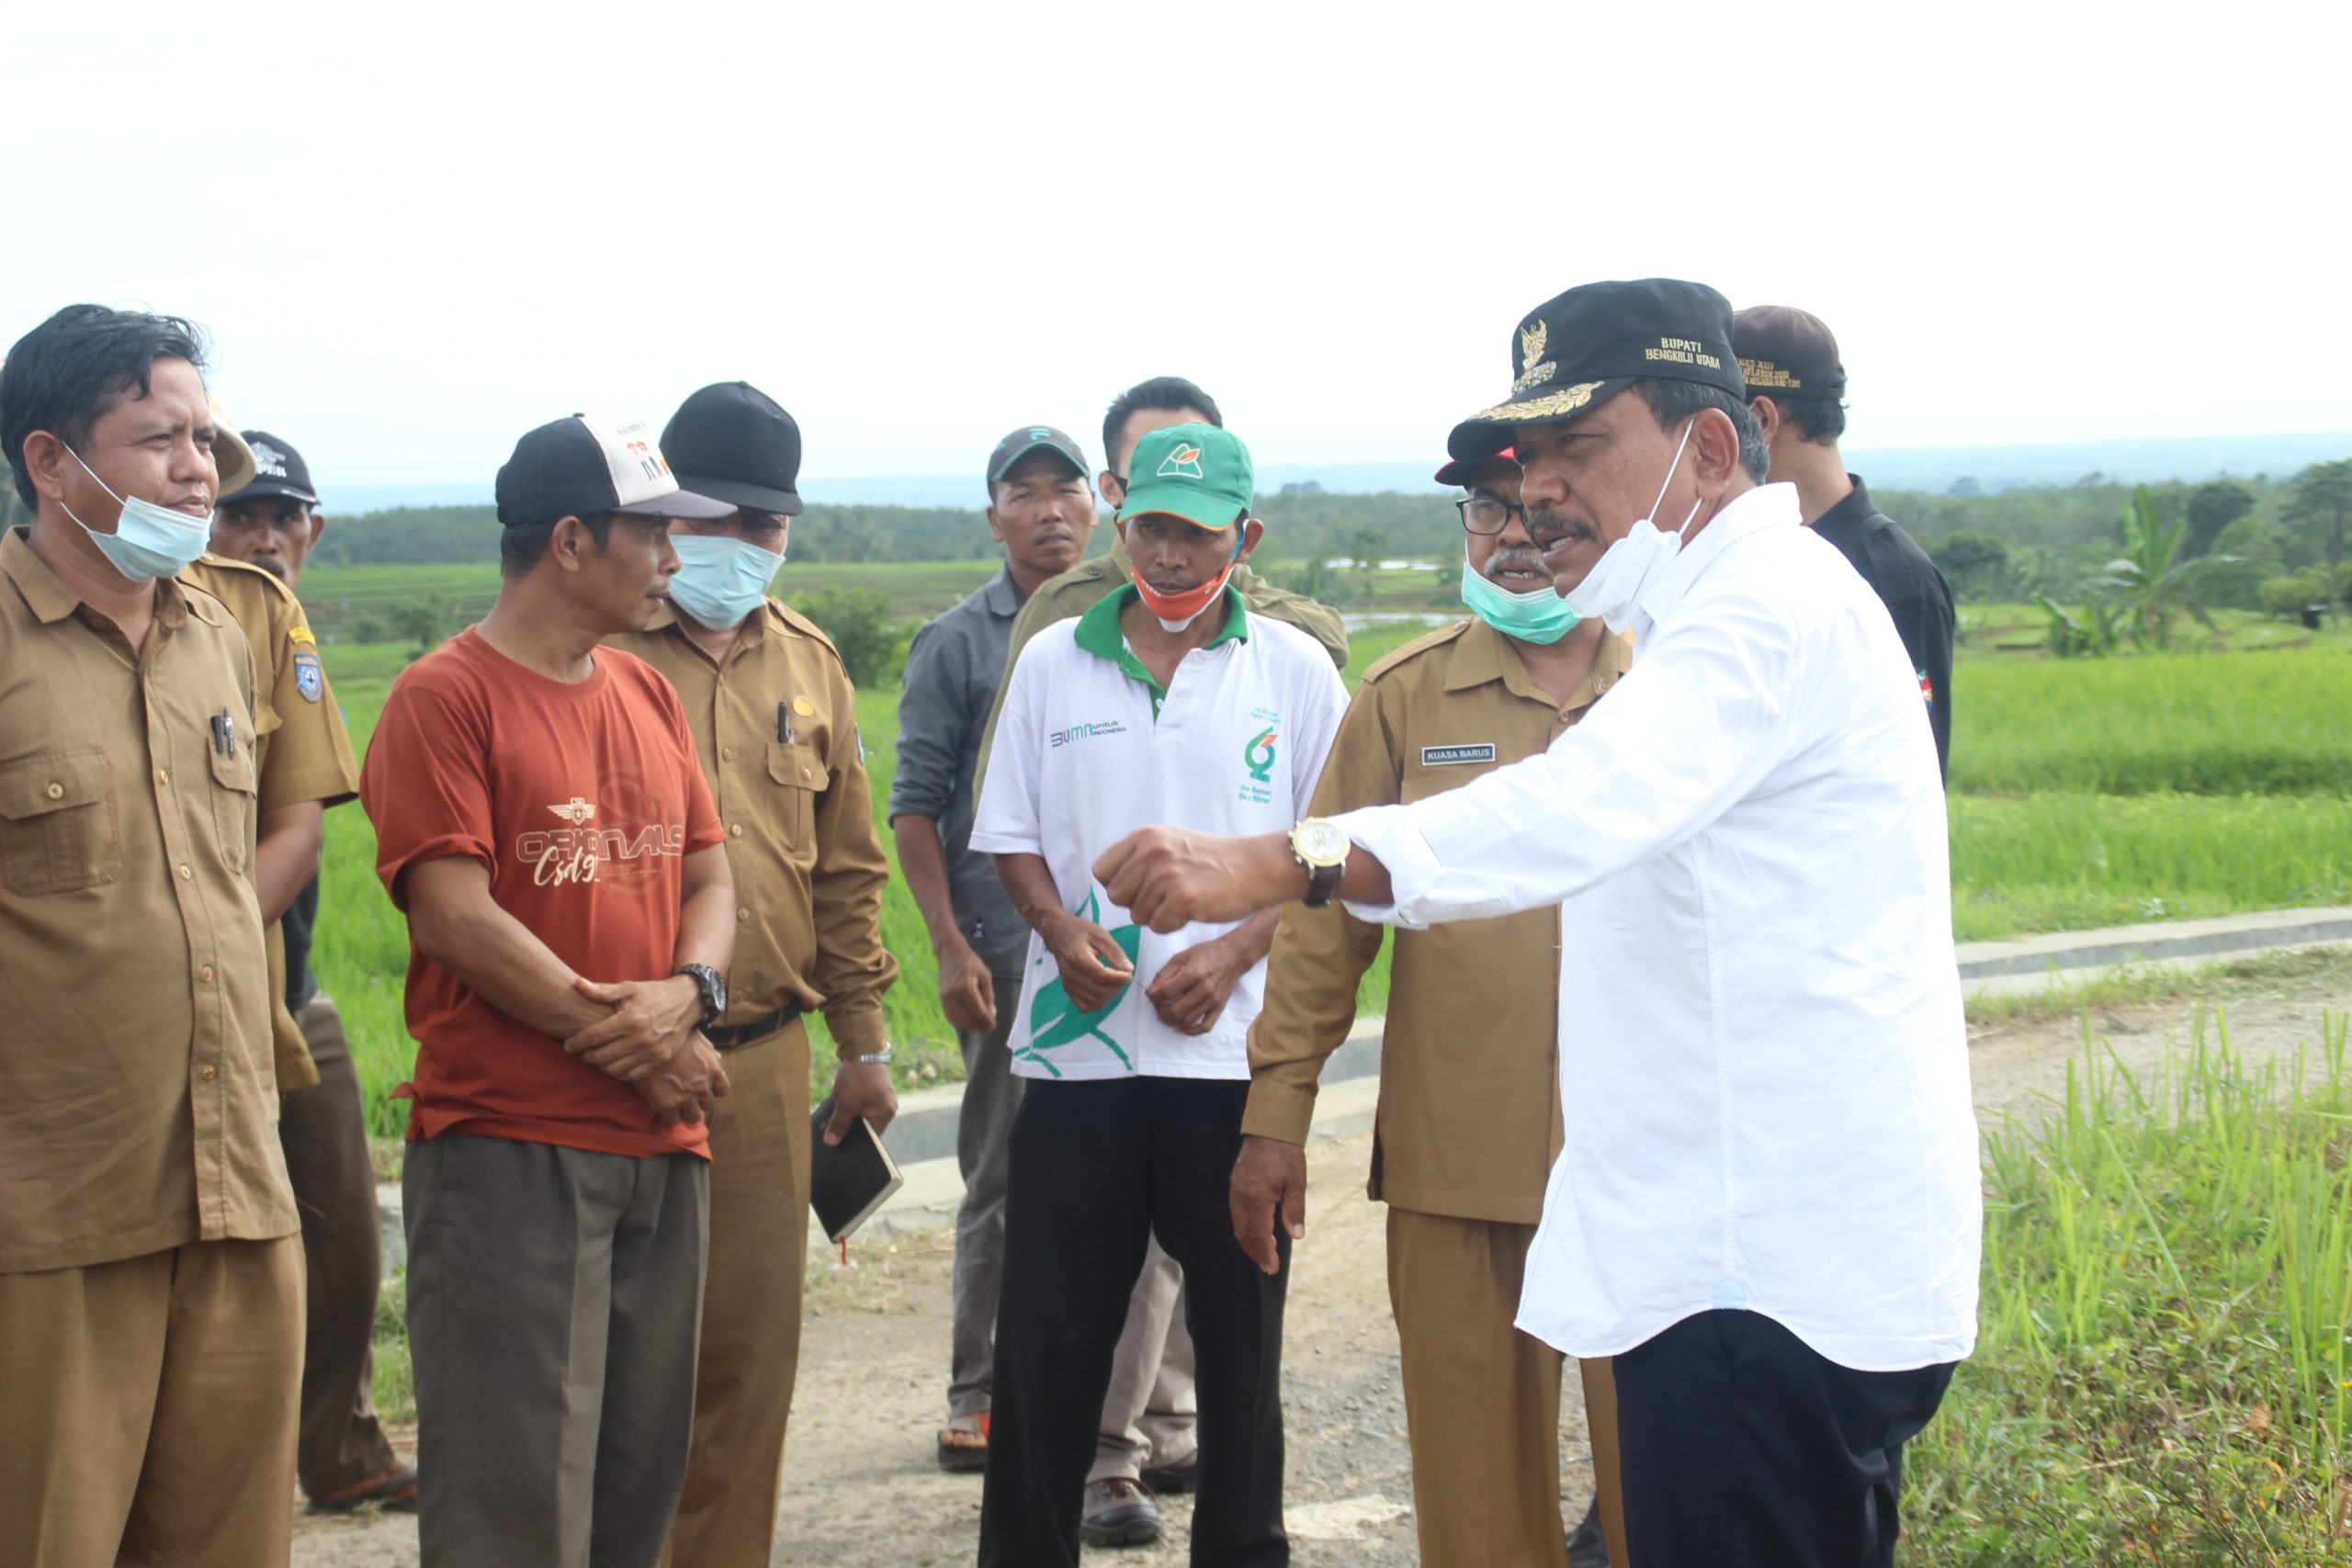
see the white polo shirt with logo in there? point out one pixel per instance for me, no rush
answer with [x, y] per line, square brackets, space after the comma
[1089, 749]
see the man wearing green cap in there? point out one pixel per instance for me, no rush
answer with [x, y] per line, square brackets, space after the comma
[1166, 702]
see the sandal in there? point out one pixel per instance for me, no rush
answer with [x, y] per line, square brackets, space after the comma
[964, 1442]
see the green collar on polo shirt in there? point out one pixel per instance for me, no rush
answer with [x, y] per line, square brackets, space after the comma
[1098, 633]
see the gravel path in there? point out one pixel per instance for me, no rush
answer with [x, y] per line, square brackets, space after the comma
[861, 1489]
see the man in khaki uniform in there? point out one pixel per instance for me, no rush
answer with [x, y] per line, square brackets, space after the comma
[150, 1280]
[775, 721]
[261, 538]
[1147, 1441]
[1469, 1118]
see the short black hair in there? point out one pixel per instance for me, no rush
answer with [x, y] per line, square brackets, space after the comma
[1171, 393]
[70, 371]
[1819, 420]
[523, 545]
[1671, 403]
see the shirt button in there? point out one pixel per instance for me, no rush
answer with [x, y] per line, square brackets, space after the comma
[162, 776]
[187, 875]
[737, 830]
[742, 915]
[804, 772]
[204, 973]
[57, 792]
[726, 753]
[207, 1075]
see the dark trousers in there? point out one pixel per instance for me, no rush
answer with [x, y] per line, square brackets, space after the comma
[1095, 1169]
[1744, 1447]
[323, 1130]
[554, 1312]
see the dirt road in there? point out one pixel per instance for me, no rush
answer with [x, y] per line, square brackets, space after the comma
[860, 1487]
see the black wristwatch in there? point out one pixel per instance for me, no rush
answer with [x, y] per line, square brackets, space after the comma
[713, 987]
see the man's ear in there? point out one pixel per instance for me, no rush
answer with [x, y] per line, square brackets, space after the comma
[996, 529]
[1768, 414]
[1107, 486]
[570, 543]
[45, 459]
[1714, 452]
[1251, 532]
[318, 527]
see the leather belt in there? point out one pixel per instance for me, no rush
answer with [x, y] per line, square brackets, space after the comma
[743, 1034]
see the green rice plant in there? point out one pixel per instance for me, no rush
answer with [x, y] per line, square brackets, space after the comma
[2160, 1374]
[2194, 724]
[2059, 862]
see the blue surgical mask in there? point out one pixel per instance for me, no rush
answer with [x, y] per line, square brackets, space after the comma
[720, 579]
[149, 541]
[1539, 615]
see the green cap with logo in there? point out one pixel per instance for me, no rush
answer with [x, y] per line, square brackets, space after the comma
[1197, 472]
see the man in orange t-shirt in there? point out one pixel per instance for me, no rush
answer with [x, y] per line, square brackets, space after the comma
[542, 820]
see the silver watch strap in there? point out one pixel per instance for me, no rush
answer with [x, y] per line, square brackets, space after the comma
[870, 1058]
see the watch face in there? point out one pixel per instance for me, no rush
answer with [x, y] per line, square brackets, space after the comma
[1320, 843]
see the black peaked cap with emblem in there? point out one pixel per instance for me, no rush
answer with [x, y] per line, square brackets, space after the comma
[278, 470]
[1586, 345]
[733, 443]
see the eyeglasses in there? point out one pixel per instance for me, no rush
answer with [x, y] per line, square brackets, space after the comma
[1484, 514]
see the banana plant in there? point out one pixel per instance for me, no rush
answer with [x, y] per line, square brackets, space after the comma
[2152, 584]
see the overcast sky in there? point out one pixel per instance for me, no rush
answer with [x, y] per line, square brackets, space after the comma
[415, 231]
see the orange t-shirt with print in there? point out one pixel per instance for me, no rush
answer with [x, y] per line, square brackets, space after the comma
[584, 800]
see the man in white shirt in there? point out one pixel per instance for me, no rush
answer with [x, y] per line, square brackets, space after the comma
[1772, 1222]
[1167, 702]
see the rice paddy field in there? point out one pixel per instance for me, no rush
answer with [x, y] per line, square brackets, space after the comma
[2084, 793]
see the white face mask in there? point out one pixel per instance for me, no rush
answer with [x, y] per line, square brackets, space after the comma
[1613, 590]
[149, 541]
[720, 579]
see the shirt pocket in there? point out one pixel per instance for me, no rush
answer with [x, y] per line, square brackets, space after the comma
[59, 828]
[798, 775]
[1422, 780]
[236, 796]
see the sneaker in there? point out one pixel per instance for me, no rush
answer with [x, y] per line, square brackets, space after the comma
[1118, 1512]
[1588, 1548]
[1174, 1480]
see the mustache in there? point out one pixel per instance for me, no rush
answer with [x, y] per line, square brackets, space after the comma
[1526, 557]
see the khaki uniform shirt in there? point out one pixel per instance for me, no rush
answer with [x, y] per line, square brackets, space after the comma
[1089, 582]
[792, 792]
[1469, 1117]
[137, 1107]
[300, 749]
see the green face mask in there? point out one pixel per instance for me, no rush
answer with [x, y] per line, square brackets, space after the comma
[1538, 616]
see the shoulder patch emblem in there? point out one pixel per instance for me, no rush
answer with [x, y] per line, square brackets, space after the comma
[309, 678]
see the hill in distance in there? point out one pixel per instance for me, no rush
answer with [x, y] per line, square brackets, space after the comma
[1931, 469]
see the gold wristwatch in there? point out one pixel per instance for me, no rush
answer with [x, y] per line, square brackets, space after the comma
[1318, 844]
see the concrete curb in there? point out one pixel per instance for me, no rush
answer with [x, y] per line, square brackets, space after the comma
[922, 1137]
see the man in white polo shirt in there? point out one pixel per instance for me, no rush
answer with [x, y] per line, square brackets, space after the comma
[1167, 702]
[1771, 1215]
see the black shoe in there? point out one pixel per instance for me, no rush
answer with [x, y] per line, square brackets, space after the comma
[1175, 1480]
[1588, 1548]
[1118, 1512]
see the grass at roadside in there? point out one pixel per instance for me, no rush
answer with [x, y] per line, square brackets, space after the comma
[2296, 971]
[2162, 1374]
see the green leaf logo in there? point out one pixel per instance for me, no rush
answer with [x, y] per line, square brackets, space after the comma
[1055, 1022]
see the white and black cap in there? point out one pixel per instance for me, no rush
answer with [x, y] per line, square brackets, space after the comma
[582, 466]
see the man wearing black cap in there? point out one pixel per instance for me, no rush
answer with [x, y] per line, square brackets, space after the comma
[343, 1459]
[774, 727]
[1770, 1218]
[1797, 386]
[1041, 509]
[541, 819]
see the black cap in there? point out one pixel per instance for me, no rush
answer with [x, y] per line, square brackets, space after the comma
[733, 442]
[1030, 438]
[278, 469]
[1590, 344]
[577, 466]
[1787, 352]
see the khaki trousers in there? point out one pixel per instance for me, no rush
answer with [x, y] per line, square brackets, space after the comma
[1482, 1400]
[751, 1315]
[150, 1409]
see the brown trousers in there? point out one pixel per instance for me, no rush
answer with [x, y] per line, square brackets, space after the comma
[147, 1409]
[324, 1133]
[1482, 1400]
[751, 1315]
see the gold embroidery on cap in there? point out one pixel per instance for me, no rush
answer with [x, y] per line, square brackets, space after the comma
[1764, 373]
[1535, 377]
[1530, 346]
[1551, 405]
